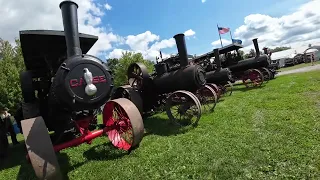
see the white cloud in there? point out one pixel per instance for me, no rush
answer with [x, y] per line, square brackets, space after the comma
[38, 14]
[217, 43]
[107, 6]
[148, 44]
[141, 41]
[203, 1]
[189, 32]
[116, 53]
[297, 29]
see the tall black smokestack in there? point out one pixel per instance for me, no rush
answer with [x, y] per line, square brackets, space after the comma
[182, 49]
[217, 58]
[256, 46]
[70, 25]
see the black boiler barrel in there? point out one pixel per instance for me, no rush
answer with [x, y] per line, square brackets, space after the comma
[251, 63]
[190, 78]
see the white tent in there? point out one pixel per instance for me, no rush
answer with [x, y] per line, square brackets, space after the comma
[290, 53]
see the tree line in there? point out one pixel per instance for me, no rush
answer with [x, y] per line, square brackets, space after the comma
[252, 52]
[12, 63]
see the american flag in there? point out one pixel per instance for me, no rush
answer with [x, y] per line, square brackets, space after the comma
[223, 30]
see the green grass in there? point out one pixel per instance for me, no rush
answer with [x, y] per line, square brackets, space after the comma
[272, 132]
[298, 66]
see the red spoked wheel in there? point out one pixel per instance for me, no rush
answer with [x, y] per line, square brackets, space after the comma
[215, 88]
[252, 78]
[124, 124]
[207, 97]
[183, 108]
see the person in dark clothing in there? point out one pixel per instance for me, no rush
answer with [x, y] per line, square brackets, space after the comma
[18, 116]
[4, 144]
[6, 117]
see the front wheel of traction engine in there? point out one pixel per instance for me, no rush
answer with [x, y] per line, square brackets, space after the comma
[207, 97]
[266, 74]
[124, 124]
[253, 78]
[40, 149]
[183, 108]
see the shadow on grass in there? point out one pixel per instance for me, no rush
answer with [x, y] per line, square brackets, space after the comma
[17, 157]
[105, 151]
[163, 127]
[245, 89]
[26, 171]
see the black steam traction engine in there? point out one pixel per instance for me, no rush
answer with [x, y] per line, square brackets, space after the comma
[176, 87]
[252, 71]
[219, 79]
[62, 88]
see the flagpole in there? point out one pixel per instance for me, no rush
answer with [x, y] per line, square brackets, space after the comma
[231, 37]
[219, 35]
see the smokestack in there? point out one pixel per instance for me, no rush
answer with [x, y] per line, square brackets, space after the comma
[217, 59]
[182, 49]
[265, 51]
[256, 46]
[70, 25]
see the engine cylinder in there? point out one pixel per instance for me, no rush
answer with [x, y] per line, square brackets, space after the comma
[189, 78]
[219, 76]
[161, 68]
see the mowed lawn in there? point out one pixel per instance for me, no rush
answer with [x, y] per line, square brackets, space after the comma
[272, 132]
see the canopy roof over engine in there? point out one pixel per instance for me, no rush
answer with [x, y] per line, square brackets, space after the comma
[42, 49]
[229, 48]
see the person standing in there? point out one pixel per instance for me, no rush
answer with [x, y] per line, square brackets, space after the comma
[6, 118]
[4, 144]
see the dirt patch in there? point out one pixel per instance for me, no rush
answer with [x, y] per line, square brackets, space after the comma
[300, 70]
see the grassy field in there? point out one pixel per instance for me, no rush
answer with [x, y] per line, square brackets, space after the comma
[298, 66]
[272, 132]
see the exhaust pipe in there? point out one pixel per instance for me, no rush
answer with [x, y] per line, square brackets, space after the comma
[182, 49]
[70, 25]
[217, 59]
[256, 46]
[265, 51]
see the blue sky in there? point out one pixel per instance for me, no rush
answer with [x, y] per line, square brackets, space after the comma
[166, 18]
[148, 26]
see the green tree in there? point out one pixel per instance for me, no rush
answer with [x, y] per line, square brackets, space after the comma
[11, 64]
[241, 53]
[278, 49]
[112, 63]
[120, 75]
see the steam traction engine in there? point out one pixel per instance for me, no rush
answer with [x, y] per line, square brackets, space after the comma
[171, 88]
[252, 71]
[219, 79]
[62, 88]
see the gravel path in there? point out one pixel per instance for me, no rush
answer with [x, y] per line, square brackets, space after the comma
[300, 70]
